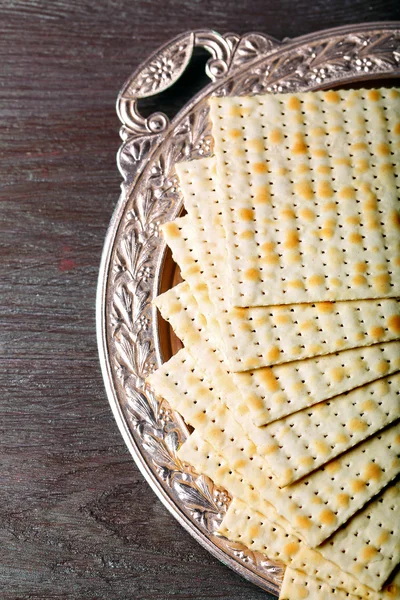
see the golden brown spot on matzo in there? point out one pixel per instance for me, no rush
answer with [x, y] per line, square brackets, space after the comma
[174, 308]
[347, 192]
[275, 136]
[317, 500]
[316, 280]
[310, 105]
[271, 449]
[268, 247]
[307, 214]
[327, 517]
[357, 486]
[251, 274]
[341, 438]
[296, 283]
[262, 195]
[306, 461]
[319, 153]
[395, 219]
[299, 147]
[357, 425]
[383, 537]
[282, 319]
[234, 111]
[377, 332]
[297, 387]
[361, 166]
[337, 374]
[359, 280]
[246, 235]
[321, 447]
[282, 171]
[269, 259]
[372, 471]
[246, 214]
[361, 267]
[382, 367]
[260, 168]
[327, 233]
[200, 287]
[325, 307]
[235, 133]
[342, 161]
[368, 553]
[355, 238]
[333, 466]
[383, 149]
[315, 349]
[239, 464]
[302, 168]
[303, 522]
[386, 169]
[324, 189]
[254, 531]
[287, 213]
[172, 229]
[255, 402]
[269, 380]
[273, 353]
[304, 189]
[202, 320]
[291, 548]
[374, 95]
[238, 152]
[291, 240]
[381, 283]
[396, 129]
[394, 323]
[294, 103]
[306, 325]
[324, 170]
[343, 500]
[368, 405]
[317, 131]
[332, 97]
[279, 399]
[358, 146]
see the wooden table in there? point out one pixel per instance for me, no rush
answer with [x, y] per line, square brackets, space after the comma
[77, 520]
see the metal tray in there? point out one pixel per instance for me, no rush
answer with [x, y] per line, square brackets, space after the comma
[136, 265]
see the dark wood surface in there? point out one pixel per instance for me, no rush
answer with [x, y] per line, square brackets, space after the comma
[77, 520]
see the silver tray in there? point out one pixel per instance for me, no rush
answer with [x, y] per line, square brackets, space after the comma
[136, 265]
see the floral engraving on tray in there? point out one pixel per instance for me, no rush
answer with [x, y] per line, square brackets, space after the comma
[150, 194]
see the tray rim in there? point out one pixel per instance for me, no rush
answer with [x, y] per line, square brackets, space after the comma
[103, 280]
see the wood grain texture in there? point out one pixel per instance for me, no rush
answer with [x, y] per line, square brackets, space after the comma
[77, 520]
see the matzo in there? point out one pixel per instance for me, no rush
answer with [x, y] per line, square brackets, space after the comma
[273, 392]
[309, 195]
[366, 550]
[250, 337]
[320, 503]
[295, 445]
[302, 442]
[296, 584]
[380, 317]
[280, 390]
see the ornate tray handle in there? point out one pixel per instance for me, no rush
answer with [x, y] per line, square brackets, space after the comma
[168, 63]
[162, 70]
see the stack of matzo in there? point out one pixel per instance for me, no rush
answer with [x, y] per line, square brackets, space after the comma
[290, 318]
